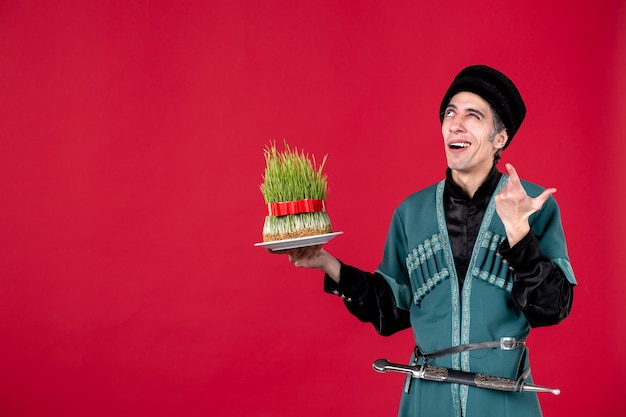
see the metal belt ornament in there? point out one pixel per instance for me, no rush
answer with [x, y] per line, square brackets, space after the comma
[295, 207]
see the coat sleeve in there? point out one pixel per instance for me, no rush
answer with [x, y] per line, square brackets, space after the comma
[369, 298]
[540, 288]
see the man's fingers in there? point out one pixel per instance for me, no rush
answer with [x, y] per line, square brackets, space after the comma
[513, 185]
[541, 198]
[278, 252]
[512, 172]
[304, 255]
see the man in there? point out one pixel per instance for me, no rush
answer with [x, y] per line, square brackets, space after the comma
[478, 257]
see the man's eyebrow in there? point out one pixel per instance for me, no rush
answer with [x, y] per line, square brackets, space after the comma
[469, 110]
[473, 110]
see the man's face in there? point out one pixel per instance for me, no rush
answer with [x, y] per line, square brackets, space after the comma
[466, 129]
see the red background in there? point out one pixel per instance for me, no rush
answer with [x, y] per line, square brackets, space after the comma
[132, 137]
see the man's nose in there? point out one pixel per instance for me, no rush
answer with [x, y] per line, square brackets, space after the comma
[457, 124]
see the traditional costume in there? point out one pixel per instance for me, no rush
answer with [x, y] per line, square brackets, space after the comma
[449, 273]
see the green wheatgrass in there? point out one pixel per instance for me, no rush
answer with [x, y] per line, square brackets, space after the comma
[292, 175]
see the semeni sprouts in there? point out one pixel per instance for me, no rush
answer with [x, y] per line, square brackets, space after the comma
[291, 176]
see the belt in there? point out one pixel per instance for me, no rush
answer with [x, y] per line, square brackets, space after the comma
[505, 343]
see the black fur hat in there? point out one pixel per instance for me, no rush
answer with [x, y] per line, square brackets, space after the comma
[495, 88]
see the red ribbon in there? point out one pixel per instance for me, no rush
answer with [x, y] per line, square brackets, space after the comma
[295, 207]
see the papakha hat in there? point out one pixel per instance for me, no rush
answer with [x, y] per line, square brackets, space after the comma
[496, 89]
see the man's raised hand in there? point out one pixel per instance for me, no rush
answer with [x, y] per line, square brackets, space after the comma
[514, 206]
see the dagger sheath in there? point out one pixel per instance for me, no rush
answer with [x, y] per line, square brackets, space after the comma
[452, 376]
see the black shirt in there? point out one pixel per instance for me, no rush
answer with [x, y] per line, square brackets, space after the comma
[464, 216]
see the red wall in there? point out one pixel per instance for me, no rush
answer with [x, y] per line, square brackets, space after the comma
[131, 154]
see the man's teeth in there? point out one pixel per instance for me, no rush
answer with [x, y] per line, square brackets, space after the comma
[459, 145]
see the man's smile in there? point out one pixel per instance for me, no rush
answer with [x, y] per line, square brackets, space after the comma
[459, 145]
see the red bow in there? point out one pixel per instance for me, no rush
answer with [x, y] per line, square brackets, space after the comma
[295, 207]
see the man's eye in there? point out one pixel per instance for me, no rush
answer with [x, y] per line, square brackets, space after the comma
[449, 113]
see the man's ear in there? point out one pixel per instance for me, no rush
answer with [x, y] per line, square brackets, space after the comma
[501, 139]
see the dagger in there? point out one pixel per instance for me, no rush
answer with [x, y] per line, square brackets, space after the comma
[433, 373]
